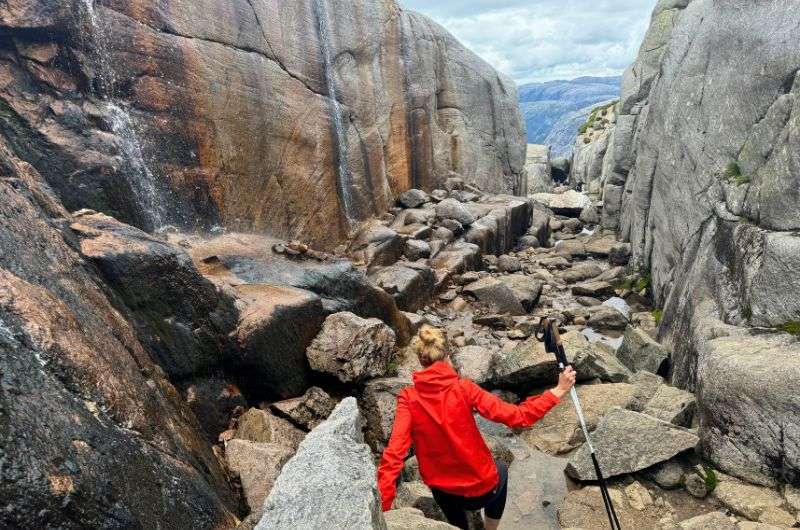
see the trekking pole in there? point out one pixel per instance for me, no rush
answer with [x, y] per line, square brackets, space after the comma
[552, 343]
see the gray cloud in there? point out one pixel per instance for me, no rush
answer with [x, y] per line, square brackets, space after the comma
[539, 40]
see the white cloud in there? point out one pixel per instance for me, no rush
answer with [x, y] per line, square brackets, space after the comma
[539, 40]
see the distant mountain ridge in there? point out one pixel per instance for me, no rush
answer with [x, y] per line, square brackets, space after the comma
[554, 110]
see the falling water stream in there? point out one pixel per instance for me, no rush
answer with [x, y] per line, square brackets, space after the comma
[344, 181]
[140, 178]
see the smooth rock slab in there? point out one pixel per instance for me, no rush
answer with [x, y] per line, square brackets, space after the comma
[330, 482]
[626, 442]
[746, 500]
[352, 348]
[559, 431]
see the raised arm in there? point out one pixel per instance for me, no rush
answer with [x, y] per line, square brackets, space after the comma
[395, 453]
[519, 416]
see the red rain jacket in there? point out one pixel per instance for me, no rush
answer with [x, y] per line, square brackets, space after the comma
[436, 414]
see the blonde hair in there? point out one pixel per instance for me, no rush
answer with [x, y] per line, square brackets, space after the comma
[430, 345]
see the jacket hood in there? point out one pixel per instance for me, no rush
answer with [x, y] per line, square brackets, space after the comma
[435, 378]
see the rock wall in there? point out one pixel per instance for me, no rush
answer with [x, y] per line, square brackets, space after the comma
[297, 119]
[703, 178]
[92, 434]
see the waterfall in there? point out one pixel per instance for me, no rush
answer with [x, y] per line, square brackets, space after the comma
[140, 178]
[344, 180]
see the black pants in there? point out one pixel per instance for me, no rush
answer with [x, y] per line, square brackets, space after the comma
[493, 504]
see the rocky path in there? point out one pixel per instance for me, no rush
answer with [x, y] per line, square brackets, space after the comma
[486, 269]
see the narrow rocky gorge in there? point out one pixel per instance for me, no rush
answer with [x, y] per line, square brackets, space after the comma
[222, 223]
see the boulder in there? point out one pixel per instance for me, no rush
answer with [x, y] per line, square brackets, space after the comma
[627, 441]
[379, 245]
[181, 317]
[257, 465]
[276, 325]
[593, 362]
[528, 242]
[418, 495]
[413, 198]
[411, 285]
[307, 411]
[379, 403]
[596, 289]
[526, 290]
[581, 271]
[747, 405]
[668, 475]
[523, 368]
[352, 348]
[474, 362]
[673, 405]
[258, 425]
[417, 250]
[638, 496]
[559, 432]
[455, 259]
[509, 264]
[570, 203]
[695, 485]
[496, 295]
[571, 248]
[330, 482]
[640, 352]
[455, 210]
[540, 224]
[605, 317]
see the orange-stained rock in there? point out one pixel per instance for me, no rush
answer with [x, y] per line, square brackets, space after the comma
[89, 424]
[294, 118]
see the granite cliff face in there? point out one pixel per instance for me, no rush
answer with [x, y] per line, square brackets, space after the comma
[290, 118]
[701, 174]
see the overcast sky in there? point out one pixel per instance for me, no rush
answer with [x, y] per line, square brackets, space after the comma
[540, 40]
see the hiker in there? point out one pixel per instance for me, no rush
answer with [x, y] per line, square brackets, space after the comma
[436, 415]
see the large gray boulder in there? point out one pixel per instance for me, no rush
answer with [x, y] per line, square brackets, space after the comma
[626, 442]
[748, 403]
[570, 203]
[379, 404]
[640, 352]
[410, 284]
[497, 295]
[330, 482]
[306, 411]
[257, 465]
[351, 348]
[455, 210]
